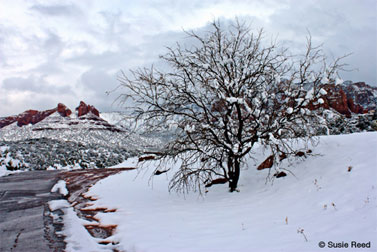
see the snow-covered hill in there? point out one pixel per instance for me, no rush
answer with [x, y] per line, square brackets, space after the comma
[85, 129]
[58, 138]
[329, 197]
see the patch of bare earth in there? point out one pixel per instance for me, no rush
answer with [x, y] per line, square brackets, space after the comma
[78, 183]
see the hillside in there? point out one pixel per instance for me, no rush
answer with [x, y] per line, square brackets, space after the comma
[61, 139]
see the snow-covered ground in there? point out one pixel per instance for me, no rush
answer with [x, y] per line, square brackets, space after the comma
[330, 198]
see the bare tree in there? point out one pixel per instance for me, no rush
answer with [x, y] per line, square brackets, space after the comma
[226, 94]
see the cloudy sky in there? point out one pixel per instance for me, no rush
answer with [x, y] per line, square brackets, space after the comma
[66, 51]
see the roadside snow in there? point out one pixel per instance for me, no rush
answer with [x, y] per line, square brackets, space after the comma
[60, 187]
[330, 198]
[4, 171]
[76, 236]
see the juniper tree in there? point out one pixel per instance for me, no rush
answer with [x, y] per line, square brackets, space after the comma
[231, 90]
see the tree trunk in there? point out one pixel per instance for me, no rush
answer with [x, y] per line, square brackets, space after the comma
[234, 174]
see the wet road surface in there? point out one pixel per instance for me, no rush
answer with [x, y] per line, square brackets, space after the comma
[25, 224]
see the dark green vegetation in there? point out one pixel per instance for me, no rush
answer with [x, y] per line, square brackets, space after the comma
[42, 153]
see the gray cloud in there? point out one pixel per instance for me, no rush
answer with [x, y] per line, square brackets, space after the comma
[82, 45]
[34, 84]
[96, 85]
[56, 10]
[98, 81]
[342, 26]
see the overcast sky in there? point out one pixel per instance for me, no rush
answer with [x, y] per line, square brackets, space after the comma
[67, 51]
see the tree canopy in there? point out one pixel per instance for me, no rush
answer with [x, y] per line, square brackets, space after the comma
[229, 91]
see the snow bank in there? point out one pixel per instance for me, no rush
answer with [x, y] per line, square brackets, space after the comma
[60, 187]
[330, 198]
[76, 236]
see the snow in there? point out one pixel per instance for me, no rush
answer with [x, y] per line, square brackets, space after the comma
[129, 163]
[338, 81]
[206, 66]
[58, 204]
[232, 100]
[60, 187]
[310, 94]
[189, 128]
[330, 198]
[325, 79]
[322, 92]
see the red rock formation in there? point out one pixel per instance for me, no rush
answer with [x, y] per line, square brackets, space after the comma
[84, 109]
[34, 116]
[63, 110]
[7, 121]
[337, 99]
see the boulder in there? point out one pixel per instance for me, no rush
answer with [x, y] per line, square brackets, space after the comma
[280, 174]
[266, 163]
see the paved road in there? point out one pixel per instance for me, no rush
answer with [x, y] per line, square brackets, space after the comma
[25, 224]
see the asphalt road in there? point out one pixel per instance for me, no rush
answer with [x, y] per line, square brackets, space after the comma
[25, 224]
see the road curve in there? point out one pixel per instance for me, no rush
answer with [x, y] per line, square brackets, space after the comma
[25, 224]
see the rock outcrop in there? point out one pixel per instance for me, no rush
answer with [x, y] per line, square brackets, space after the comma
[348, 98]
[84, 109]
[34, 116]
[336, 99]
[63, 110]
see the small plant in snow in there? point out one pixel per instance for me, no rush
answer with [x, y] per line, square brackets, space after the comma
[301, 231]
[333, 204]
[316, 184]
[366, 201]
